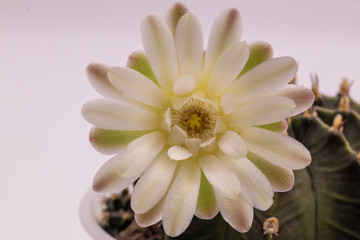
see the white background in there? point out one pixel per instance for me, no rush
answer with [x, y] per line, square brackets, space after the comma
[46, 161]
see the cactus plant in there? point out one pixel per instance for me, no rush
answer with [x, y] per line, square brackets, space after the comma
[117, 219]
[325, 200]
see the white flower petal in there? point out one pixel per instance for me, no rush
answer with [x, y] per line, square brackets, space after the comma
[227, 68]
[180, 203]
[160, 48]
[302, 96]
[119, 115]
[199, 95]
[111, 142]
[136, 86]
[229, 102]
[165, 125]
[141, 152]
[107, 179]
[178, 153]
[225, 31]
[177, 136]
[151, 217]
[153, 184]
[209, 145]
[237, 212]
[97, 75]
[193, 144]
[219, 126]
[277, 148]
[139, 62]
[255, 187]
[232, 145]
[175, 12]
[259, 52]
[184, 85]
[220, 177]
[264, 79]
[189, 45]
[262, 111]
[178, 102]
[281, 179]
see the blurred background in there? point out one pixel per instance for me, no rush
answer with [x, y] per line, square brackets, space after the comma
[47, 163]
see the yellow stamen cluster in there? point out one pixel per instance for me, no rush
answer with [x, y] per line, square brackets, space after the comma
[194, 121]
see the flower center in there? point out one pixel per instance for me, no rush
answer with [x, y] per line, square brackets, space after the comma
[196, 118]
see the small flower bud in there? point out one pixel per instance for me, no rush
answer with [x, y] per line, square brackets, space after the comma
[271, 226]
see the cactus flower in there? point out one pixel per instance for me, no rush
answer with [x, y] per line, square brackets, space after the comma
[202, 132]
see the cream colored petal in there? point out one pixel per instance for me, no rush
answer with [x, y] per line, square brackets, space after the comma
[178, 153]
[255, 187]
[225, 31]
[189, 45]
[209, 145]
[166, 123]
[177, 136]
[180, 203]
[227, 68]
[264, 79]
[229, 102]
[277, 148]
[259, 52]
[160, 48]
[281, 179]
[219, 126]
[184, 85]
[153, 184]
[97, 75]
[141, 152]
[193, 144]
[136, 86]
[206, 207]
[262, 111]
[178, 102]
[175, 12]
[151, 217]
[302, 96]
[232, 145]
[119, 115]
[112, 141]
[139, 62]
[237, 212]
[219, 176]
[107, 179]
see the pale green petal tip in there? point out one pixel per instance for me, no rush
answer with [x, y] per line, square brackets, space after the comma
[259, 52]
[174, 14]
[109, 141]
[279, 127]
[206, 207]
[139, 62]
